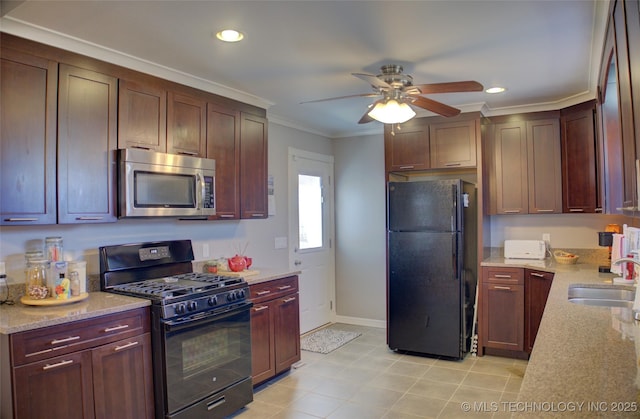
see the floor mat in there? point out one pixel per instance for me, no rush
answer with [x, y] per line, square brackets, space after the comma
[326, 340]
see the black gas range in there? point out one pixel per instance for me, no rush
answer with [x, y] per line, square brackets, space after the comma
[200, 327]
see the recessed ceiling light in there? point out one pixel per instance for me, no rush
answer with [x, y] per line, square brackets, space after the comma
[229, 35]
[495, 90]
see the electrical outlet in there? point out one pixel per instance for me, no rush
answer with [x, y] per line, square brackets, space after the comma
[546, 237]
[205, 250]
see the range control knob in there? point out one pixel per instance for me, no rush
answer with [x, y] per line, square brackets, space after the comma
[231, 296]
[192, 305]
[212, 301]
[241, 294]
[180, 309]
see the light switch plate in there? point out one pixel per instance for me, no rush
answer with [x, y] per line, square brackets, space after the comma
[280, 242]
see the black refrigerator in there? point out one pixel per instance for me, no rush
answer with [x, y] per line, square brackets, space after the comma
[432, 266]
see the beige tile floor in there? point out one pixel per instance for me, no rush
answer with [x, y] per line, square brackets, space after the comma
[364, 379]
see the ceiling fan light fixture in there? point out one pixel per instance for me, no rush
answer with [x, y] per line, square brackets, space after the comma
[392, 112]
[230, 35]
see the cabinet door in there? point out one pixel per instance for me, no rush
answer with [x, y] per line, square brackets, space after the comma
[407, 148]
[123, 380]
[537, 285]
[579, 182]
[510, 160]
[630, 200]
[223, 145]
[262, 342]
[28, 112]
[287, 331]
[453, 144]
[142, 116]
[503, 316]
[87, 146]
[186, 125]
[59, 387]
[253, 167]
[544, 166]
[632, 9]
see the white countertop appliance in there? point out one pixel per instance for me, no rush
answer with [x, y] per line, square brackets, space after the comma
[525, 249]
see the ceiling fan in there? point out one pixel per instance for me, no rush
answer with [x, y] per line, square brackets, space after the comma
[399, 94]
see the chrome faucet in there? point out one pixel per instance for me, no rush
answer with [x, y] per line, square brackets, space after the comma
[626, 260]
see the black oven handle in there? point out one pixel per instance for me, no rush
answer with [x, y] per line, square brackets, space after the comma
[206, 317]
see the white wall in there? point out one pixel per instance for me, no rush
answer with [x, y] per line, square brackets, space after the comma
[222, 237]
[570, 231]
[360, 227]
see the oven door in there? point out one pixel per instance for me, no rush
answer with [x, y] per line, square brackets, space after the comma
[206, 354]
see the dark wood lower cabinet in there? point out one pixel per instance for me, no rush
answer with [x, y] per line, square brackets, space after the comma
[102, 369]
[511, 308]
[537, 285]
[275, 327]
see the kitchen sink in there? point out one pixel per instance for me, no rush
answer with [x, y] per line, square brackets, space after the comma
[601, 296]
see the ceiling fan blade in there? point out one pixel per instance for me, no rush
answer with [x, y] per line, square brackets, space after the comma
[372, 80]
[433, 106]
[341, 97]
[451, 87]
[366, 118]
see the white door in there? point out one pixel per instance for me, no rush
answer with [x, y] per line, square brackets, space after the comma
[311, 230]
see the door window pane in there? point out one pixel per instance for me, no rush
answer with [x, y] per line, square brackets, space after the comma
[309, 211]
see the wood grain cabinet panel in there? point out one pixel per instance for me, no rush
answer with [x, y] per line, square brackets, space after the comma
[275, 327]
[579, 165]
[253, 167]
[408, 147]
[28, 111]
[544, 166]
[223, 145]
[537, 285]
[186, 125]
[99, 367]
[142, 116]
[502, 309]
[87, 143]
[510, 158]
[453, 144]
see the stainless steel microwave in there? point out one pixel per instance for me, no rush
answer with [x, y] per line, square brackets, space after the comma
[154, 184]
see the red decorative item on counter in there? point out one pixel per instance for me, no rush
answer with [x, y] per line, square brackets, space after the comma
[237, 263]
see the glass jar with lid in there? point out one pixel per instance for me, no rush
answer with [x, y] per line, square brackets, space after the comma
[53, 248]
[36, 279]
[31, 255]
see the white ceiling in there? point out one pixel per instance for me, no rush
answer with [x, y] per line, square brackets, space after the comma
[545, 52]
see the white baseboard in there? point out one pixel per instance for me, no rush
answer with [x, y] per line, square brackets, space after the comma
[360, 321]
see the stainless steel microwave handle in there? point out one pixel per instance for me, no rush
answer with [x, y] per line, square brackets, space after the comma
[203, 191]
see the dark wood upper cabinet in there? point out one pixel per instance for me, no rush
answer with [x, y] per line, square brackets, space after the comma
[453, 144]
[253, 166]
[625, 101]
[408, 147]
[87, 146]
[632, 9]
[510, 165]
[579, 176]
[223, 145]
[186, 125]
[142, 116]
[544, 166]
[28, 111]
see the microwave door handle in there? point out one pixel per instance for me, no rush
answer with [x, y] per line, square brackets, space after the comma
[203, 191]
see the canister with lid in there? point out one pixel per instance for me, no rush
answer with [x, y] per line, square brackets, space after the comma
[36, 279]
[53, 247]
[80, 268]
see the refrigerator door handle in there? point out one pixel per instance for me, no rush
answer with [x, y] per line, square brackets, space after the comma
[454, 259]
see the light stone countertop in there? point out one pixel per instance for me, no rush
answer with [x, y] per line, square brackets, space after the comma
[19, 317]
[585, 358]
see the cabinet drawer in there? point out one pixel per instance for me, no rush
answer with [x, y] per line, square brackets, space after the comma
[513, 276]
[39, 344]
[269, 290]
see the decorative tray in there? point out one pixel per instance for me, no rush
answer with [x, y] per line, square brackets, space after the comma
[25, 299]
